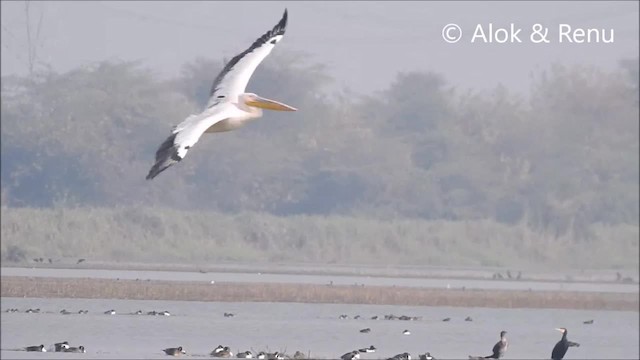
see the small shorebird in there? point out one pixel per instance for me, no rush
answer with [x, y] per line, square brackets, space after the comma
[174, 351]
[39, 348]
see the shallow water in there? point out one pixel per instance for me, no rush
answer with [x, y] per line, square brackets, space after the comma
[322, 279]
[200, 326]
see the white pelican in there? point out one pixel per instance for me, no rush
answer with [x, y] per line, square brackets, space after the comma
[229, 107]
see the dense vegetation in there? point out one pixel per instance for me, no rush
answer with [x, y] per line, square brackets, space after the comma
[429, 172]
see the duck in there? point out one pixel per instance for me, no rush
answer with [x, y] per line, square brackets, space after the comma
[588, 322]
[275, 356]
[65, 312]
[110, 312]
[351, 355]
[174, 351]
[468, 318]
[38, 348]
[261, 355]
[403, 356]
[299, 355]
[79, 349]
[370, 349]
[217, 350]
[61, 346]
[446, 319]
[427, 356]
[245, 355]
[365, 331]
[406, 332]
[224, 353]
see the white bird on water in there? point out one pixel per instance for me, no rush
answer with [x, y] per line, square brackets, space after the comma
[229, 107]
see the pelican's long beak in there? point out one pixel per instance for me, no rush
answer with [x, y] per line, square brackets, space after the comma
[269, 104]
[560, 330]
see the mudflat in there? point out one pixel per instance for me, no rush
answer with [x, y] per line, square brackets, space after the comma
[41, 287]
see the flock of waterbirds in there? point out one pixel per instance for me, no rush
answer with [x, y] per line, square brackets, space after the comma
[498, 350]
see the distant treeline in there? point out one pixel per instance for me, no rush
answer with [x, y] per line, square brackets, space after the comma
[136, 234]
[560, 164]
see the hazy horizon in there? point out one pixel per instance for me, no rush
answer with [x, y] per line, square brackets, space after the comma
[363, 44]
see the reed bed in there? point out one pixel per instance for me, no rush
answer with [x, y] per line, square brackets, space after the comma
[309, 293]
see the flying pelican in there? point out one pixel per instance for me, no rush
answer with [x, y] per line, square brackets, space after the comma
[229, 107]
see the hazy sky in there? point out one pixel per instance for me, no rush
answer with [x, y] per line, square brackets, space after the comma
[364, 44]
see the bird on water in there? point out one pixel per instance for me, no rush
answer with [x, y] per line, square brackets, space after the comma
[498, 349]
[562, 346]
[174, 351]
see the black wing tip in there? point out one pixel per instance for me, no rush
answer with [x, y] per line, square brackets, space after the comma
[281, 26]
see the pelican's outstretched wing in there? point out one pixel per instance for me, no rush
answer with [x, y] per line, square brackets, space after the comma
[234, 77]
[186, 134]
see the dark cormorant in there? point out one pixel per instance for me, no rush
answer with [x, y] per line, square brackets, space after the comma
[498, 349]
[562, 346]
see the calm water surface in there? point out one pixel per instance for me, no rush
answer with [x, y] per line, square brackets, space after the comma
[200, 326]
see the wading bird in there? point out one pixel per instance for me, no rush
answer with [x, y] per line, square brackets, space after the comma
[229, 107]
[562, 346]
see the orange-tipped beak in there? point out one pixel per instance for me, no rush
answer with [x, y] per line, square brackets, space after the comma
[269, 104]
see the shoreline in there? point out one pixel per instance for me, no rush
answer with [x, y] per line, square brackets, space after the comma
[41, 287]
